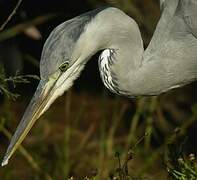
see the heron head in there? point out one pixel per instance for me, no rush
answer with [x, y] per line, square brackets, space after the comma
[66, 51]
[63, 57]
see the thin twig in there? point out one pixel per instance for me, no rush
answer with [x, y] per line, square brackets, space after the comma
[11, 15]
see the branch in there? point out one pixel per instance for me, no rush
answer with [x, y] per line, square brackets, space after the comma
[11, 15]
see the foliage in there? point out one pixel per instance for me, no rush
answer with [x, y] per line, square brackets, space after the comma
[13, 81]
[180, 166]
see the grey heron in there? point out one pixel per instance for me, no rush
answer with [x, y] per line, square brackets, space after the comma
[170, 60]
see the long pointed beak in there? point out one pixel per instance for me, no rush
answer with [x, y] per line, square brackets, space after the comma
[39, 103]
[46, 93]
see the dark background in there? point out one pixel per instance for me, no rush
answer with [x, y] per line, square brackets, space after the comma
[88, 111]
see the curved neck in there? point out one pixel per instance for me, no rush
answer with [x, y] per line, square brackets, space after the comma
[121, 34]
[133, 72]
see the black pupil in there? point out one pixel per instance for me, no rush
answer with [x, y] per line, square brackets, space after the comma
[64, 67]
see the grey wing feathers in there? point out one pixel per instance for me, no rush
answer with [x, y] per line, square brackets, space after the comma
[162, 4]
[162, 30]
[179, 18]
[189, 8]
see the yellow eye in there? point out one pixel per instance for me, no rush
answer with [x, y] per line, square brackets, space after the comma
[64, 67]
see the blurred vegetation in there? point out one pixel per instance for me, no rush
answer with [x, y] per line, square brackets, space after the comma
[101, 136]
[12, 80]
